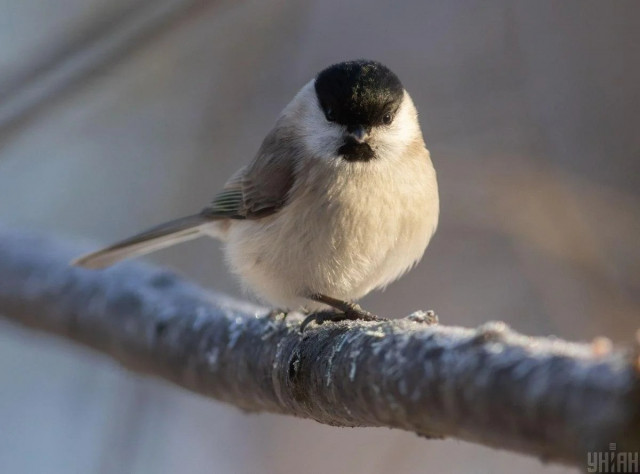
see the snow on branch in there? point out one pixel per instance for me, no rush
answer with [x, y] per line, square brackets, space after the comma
[542, 396]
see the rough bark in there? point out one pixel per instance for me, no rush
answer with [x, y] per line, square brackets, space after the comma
[541, 396]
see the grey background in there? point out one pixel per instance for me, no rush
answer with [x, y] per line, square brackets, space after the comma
[118, 114]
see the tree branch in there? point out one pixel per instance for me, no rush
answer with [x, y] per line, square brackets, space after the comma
[541, 396]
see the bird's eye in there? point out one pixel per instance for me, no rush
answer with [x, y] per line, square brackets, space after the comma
[387, 119]
[330, 114]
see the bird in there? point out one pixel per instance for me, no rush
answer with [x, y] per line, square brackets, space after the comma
[340, 199]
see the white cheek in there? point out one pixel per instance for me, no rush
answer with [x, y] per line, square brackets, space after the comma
[390, 142]
[321, 137]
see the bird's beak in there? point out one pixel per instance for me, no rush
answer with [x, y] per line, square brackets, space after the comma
[359, 133]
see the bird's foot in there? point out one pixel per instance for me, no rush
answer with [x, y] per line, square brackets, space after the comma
[354, 311]
[351, 312]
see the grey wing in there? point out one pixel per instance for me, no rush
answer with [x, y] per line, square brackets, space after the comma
[259, 189]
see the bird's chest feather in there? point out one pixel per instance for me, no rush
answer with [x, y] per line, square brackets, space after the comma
[341, 234]
[357, 216]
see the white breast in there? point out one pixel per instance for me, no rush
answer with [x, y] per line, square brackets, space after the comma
[344, 232]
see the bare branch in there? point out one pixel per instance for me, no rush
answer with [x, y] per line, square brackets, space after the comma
[542, 396]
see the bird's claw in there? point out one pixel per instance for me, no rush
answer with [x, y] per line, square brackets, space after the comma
[352, 312]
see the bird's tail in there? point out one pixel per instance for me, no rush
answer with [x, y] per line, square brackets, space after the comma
[164, 235]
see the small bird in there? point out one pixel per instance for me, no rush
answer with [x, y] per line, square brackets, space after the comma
[341, 199]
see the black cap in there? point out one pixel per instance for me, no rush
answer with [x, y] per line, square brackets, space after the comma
[358, 92]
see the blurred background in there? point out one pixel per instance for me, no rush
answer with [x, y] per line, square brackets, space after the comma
[116, 115]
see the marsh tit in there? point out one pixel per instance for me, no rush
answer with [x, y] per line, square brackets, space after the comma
[340, 199]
